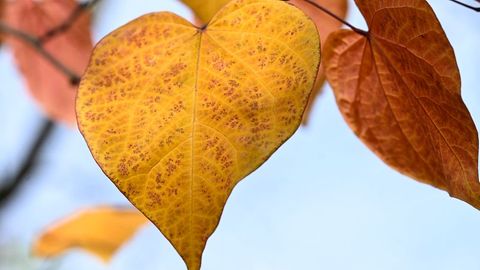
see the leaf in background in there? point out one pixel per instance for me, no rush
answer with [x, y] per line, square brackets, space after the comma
[100, 231]
[50, 88]
[176, 116]
[325, 25]
[205, 9]
[2, 9]
[399, 90]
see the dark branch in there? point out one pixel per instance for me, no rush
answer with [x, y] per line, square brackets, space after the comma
[11, 185]
[63, 27]
[37, 45]
[336, 17]
[477, 9]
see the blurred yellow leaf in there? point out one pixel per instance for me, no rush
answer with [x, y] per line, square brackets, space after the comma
[176, 116]
[101, 231]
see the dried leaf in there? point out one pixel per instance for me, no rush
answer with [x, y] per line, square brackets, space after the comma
[176, 116]
[205, 9]
[49, 87]
[100, 231]
[399, 90]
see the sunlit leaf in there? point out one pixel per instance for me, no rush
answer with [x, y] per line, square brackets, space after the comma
[205, 9]
[176, 116]
[100, 231]
[50, 87]
[399, 90]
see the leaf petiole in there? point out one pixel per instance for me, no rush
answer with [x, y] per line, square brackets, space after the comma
[333, 15]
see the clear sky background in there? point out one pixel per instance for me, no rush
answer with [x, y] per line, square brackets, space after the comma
[323, 201]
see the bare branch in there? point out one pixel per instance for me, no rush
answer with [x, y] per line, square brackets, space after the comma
[37, 45]
[477, 9]
[11, 185]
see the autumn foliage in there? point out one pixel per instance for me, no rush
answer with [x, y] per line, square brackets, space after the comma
[54, 91]
[399, 90]
[176, 114]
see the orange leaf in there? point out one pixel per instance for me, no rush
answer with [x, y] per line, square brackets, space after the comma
[325, 25]
[50, 88]
[101, 231]
[399, 90]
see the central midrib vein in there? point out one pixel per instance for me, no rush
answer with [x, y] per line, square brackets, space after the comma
[197, 70]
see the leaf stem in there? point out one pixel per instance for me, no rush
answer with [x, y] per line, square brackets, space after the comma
[336, 17]
[477, 9]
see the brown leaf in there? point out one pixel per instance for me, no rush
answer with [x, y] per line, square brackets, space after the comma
[50, 88]
[399, 90]
[325, 25]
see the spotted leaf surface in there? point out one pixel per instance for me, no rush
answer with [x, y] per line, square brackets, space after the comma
[100, 231]
[399, 90]
[176, 116]
[205, 9]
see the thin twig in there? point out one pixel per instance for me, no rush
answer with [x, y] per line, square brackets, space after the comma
[37, 45]
[477, 9]
[336, 17]
[14, 183]
[64, 26]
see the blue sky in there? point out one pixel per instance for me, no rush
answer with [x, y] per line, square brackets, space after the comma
[323, 201]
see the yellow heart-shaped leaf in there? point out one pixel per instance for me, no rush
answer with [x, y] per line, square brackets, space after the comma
[176, 116]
